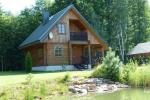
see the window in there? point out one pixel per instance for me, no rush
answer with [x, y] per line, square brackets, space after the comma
[58, 51]
[61, 28]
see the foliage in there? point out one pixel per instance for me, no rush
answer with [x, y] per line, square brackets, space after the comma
[127, 70]
[28, 62]
[97, 72]
[110, 67]
[141, 77]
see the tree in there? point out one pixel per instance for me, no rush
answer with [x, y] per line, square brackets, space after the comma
[111, 66]
[28, 62]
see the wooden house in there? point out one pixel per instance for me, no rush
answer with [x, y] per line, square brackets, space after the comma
[64, 40]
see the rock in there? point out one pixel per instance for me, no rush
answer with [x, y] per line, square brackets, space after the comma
[72, 89]
[99, 90]
[83, 91]
[104, 87]
[91, 87]
[123, 86]
[92, 80]
[117, 83]
[112, 87]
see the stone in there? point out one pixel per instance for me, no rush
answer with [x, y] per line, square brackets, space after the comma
[117, 83]
[91, 87]
[104, 87]
[92, 80]
[99, 90]
[72, 89]
[83, 91]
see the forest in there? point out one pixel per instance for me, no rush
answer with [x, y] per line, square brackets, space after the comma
[121, 23]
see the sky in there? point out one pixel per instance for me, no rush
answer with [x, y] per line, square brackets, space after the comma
[15, 6]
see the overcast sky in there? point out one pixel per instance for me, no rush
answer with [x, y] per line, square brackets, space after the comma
[15, 6]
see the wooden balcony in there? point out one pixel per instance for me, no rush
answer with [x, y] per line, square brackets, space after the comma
[78, 36]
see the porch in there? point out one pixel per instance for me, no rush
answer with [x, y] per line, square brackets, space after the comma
[84, 55]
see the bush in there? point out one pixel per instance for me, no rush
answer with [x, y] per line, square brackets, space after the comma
[110, 67]
[127, 70]
[28, 62]
[97, 72]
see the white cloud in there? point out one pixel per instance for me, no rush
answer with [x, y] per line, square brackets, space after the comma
[15, 6]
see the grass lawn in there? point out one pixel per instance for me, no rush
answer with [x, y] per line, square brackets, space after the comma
[8, 78]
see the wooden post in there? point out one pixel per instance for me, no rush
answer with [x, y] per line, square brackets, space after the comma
[102, 50]
[89, 51]
[70, 52]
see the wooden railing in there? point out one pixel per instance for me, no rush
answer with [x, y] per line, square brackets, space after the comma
[78, 36]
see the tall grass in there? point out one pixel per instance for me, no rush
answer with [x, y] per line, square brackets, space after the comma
[141, 77]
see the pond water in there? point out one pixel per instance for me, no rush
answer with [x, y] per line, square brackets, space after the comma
[124, 94]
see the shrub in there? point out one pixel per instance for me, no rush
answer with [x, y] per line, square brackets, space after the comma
[97, 72]
[28, 62]
[126, 70]
[110, 67]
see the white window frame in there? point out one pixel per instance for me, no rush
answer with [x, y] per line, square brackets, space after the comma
[61, 28]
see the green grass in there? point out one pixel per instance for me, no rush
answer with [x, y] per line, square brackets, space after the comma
[8, 78]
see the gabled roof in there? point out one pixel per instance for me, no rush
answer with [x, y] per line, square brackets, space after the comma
[141, 48]
[39, 34]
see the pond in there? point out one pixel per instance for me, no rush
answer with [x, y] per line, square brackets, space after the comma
[124, 94]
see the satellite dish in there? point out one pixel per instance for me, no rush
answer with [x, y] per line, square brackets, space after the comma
[50, 35]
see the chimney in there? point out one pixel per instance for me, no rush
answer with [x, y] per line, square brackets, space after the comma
[45, 15]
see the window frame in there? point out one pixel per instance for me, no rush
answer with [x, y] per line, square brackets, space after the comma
[61, 28]
[58, 51]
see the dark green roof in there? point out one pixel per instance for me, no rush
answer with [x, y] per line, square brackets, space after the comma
[41, 33]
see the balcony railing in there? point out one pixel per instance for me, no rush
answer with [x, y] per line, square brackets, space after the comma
[78, 36]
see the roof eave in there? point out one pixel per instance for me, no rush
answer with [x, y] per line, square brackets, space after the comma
[27, 45]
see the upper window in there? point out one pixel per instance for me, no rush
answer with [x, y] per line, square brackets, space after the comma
[58, 50]
[61, 28]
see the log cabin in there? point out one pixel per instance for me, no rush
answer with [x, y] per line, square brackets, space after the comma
[64, 41]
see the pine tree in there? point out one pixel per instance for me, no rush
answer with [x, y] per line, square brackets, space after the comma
[28, 62]
[110, 66]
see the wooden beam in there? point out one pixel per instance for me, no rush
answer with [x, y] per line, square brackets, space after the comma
[70, 53]
[89, 51]
[79, 42]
